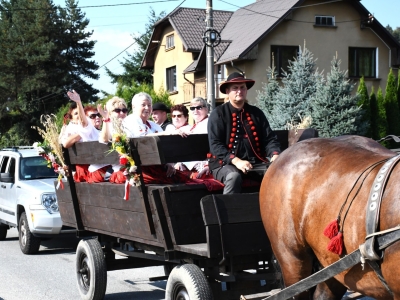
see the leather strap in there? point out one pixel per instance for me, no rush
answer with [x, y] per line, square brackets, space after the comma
[374, 204]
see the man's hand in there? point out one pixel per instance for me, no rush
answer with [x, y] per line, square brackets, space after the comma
[242, 165]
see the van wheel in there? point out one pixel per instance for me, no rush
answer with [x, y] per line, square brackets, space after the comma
[91, 270]
[3, 232]
[28, 243]
[187, 282]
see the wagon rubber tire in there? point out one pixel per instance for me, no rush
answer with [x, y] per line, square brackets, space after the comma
[3, 232]
[28, 243]
[187, 282]
[91, 271]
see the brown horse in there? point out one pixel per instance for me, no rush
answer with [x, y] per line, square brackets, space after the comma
[304, 190]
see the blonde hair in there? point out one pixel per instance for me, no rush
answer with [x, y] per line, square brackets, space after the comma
[115, 102]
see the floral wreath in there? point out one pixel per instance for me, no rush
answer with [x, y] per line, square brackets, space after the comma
[120, 144]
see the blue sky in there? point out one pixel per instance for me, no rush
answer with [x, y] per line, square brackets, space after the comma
[114, 26]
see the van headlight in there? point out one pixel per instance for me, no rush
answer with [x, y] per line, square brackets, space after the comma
[49, 201]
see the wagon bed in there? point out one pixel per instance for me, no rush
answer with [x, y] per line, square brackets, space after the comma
[219, 238]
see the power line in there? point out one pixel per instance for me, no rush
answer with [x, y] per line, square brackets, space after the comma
[89, 6]
[53, 95]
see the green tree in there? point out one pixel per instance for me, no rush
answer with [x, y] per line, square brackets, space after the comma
[374, 130]
[392, 106]
[44, 50]
[381, 117]
[334, 110]
[127, 93]
[267, 97]
[364, 102]
[299, 84]
[398, 88]
[132, 72]
[395, 32]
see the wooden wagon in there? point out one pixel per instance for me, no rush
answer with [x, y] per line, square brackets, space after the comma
[212, 246]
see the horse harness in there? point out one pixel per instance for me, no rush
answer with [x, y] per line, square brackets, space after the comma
[367, 249]
[374, 241]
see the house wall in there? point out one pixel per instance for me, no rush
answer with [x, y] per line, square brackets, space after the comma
[323, 42]
[169, 58]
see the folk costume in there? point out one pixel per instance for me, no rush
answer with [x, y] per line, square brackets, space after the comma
[244, 133]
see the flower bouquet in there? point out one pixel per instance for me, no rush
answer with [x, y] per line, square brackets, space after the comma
[50, 149]
[120, 143]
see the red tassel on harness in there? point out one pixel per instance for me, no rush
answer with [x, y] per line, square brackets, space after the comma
[336, 244]
[332, 229]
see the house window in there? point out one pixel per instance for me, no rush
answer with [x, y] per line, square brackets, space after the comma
[170, 41]
[280, 57]
[171, 79]
[362, 62]
[325, 20]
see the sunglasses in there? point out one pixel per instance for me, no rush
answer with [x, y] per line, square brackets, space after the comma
[177, 116]
[118, 110]
[200, 107]
[93, 116]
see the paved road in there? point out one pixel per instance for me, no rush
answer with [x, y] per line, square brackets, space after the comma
[50, 274]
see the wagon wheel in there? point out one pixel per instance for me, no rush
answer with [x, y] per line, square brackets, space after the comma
[91, 271]
[187, 282]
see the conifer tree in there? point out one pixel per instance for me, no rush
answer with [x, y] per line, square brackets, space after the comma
[334, 110]
[392, 106]
[299, 84]
[364, 102]
[267, 97]
[374, 130]
[42, 52]
[398, 88]
[382, 124]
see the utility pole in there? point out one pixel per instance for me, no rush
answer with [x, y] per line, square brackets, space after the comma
[210, 55]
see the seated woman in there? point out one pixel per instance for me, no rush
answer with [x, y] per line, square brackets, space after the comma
[95, 117]
[179, 116]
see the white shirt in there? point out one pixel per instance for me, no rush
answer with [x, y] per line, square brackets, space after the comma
[197, 128]
[134, 126]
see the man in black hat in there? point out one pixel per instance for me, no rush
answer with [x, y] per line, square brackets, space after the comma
[159, 115]
[240, 136]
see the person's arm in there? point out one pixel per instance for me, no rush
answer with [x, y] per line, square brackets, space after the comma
[217, 138]
[71, 140]
[105, 134]
[74, 96]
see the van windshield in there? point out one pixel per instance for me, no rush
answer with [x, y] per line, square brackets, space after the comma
[35, 168]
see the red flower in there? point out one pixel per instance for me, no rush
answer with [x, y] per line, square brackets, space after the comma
[123, 160]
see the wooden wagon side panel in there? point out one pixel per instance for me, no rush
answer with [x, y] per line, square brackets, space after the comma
[104, 209]
[66, 208]
[181, 206]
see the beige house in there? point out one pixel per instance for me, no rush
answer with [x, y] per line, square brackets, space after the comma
[253, 35]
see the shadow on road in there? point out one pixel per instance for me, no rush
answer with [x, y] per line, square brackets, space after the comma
[65, 243]
[148, 295]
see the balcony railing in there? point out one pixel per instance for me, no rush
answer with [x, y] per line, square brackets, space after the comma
[199, 89]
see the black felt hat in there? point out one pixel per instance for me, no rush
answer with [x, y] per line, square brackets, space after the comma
[235, 77]
[160, 106]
